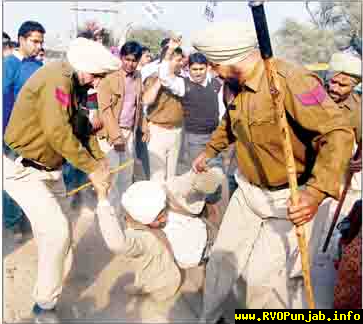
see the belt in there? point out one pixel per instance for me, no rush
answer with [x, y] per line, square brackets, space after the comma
[127, 128]
[36, 165]
[277, 188]
[166, 126]
[300, 181]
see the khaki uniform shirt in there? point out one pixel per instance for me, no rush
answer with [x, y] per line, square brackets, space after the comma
[352, 105]
[167, 109]
[110, 96]
[43, 124]
[250, 122]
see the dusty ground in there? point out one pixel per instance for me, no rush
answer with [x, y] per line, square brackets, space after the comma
[94, 289]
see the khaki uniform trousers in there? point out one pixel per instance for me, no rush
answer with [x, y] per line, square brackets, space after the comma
[256, 247]
[123, 179]
[36, 192]
[164, 148]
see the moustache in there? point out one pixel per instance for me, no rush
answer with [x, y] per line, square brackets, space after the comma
[332, 92]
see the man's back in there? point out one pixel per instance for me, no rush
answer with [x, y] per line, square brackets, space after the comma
[25, 125]
[156, 271]
[45, 124]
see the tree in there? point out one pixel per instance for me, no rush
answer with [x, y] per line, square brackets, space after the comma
[149, 37]
[334, 26]
[303, 43]
[89, 29]
[343, 17]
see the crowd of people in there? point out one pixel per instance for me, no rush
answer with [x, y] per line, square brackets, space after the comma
[198, 136]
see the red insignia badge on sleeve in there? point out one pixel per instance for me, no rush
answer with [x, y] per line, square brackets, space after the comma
[63, 98]
[314, 97]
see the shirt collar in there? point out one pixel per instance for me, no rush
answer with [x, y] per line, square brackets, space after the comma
[67, 69]
[255, 80]
[18, 55]
[129, 75]
[349, 103]
[205, 82]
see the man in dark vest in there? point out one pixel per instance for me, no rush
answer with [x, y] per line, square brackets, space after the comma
[201, 104]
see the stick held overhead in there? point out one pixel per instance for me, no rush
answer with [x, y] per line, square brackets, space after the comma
[262, 31]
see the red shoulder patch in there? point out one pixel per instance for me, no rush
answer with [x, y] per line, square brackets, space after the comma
[92, 97]
[316, 96]
[63, 98]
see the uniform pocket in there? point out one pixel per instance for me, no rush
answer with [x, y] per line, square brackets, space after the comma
[264, 127]
[235, 117]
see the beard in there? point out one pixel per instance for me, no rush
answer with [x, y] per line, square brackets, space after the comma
[233, 85]
[337, 97]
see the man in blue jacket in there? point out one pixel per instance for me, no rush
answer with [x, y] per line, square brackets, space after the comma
[18, 67]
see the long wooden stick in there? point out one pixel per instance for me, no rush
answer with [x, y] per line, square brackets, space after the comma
[348, 180]
[86, 185]
[259, 18]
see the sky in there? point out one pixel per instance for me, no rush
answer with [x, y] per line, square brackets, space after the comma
[179, 16]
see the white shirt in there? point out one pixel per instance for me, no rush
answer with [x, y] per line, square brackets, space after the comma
[149, 69]
[18, 55]
[187, 237]
[177, 85]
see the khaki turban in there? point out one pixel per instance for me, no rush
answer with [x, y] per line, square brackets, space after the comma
[346, 63]
[144, 200]
[226, 43]
[89, 56]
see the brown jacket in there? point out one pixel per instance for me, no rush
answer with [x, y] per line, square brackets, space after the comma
[110, 96]
[353, 105]
[250, 122]
[44, 122]
[167, 109]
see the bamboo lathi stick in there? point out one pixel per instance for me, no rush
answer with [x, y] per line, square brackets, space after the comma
[260, 22]
[88, 184]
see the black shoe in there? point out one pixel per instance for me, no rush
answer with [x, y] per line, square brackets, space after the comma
[44, 315]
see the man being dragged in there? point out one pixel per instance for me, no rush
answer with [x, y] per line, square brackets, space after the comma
[159, 218]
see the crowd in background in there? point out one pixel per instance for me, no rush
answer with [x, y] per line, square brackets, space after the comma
[161, 113]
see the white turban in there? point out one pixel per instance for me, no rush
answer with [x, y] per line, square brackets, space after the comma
[226, 43]
[346, 63]
[91, 57]
[144, 200]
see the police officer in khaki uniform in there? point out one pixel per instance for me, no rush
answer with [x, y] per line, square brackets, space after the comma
[256, 241]
[345, 72]
[43, 132]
